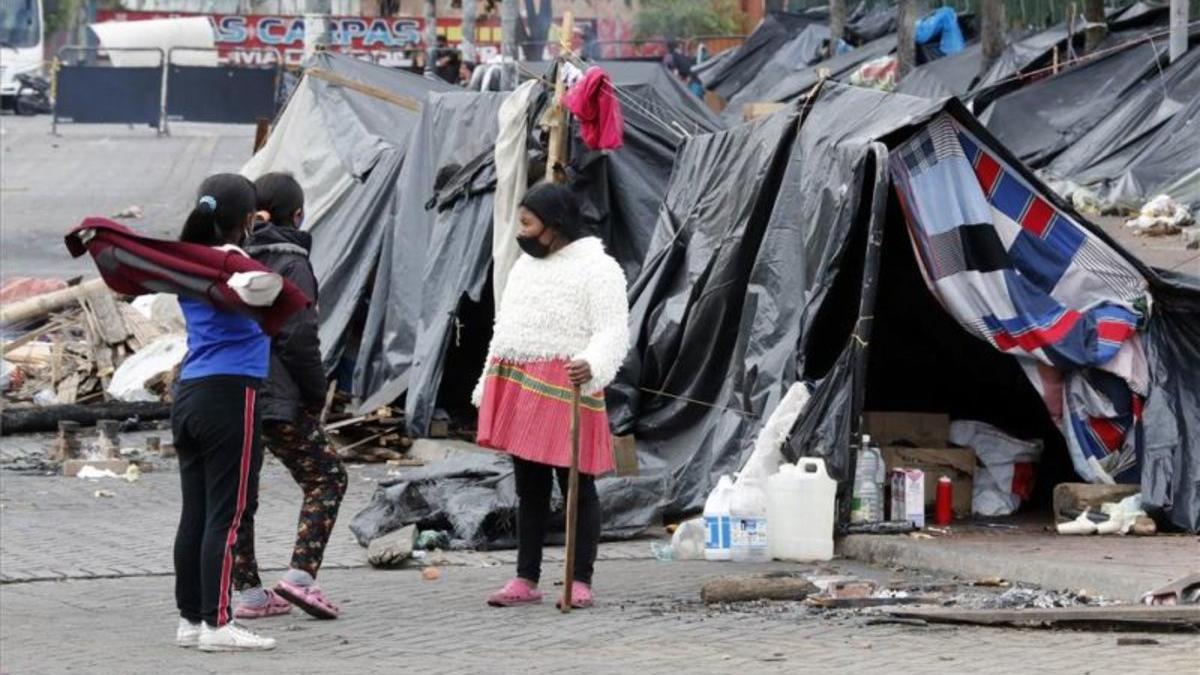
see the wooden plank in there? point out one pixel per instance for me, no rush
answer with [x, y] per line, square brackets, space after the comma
[1134, 617]
[41, 305]
[110, 324]
[31, 336]
[363, 88]
[68, 389]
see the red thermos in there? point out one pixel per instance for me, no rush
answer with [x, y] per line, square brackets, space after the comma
[944, 507]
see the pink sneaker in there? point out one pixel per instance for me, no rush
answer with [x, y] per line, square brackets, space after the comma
[275, 606]
[581, 596]
[308, 598]
[516, 592]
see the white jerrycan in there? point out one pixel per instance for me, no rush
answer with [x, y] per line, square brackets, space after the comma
[800, 509]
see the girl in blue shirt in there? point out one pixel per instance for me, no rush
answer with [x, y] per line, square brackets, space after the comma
[215, 423]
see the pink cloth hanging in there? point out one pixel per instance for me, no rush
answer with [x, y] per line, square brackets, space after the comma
[593, 101]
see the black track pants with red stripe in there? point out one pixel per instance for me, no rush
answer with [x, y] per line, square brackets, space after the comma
[216, 428]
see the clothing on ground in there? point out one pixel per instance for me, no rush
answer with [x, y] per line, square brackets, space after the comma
[534, 486]
[216, 432]
[315, 466]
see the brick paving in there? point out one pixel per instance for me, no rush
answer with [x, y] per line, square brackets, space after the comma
[87, 589]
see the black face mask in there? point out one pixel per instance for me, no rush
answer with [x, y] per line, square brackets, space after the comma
[533, 246]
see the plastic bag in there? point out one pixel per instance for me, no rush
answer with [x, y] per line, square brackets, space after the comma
[1007, 467]
[160, 356]
[688, 541]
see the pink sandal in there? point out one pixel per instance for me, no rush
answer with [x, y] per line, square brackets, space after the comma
[276, 606]
[308, 598]
[515, 593]
[581, 596]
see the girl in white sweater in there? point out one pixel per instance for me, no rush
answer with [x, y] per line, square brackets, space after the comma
[562, 322]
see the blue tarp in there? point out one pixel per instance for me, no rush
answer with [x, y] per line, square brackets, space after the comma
[941, 22]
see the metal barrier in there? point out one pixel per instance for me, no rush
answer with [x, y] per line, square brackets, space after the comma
[106, 94]
[228, 94]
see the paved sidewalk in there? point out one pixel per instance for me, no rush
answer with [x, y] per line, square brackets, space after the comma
[648, 622]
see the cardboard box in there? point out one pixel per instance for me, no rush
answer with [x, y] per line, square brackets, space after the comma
[908, 496]
[925, 430]
[958, 464]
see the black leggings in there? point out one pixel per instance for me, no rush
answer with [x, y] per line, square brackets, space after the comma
[534, 485]
[216, 428]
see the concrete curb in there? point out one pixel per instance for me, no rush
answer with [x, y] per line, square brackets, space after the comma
[1117, 582]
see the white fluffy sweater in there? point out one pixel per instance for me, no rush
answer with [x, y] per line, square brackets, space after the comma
[569, 305]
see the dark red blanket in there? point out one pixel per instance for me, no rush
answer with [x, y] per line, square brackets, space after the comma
[133, 264]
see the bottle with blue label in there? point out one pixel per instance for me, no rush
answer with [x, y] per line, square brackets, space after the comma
[748, 511]
[718, 540]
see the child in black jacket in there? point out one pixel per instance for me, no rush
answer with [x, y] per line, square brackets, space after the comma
[291, 400]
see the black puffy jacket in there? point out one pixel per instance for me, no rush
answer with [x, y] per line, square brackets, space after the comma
[297, 377]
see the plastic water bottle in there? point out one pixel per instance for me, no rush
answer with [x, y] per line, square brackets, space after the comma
[748, 509]
[717, 525]
[866, 502]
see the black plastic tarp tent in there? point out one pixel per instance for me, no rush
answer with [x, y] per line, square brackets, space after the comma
[740, 67]
[1040, 120]
[1143, 124]
[948, 76]
[346, 147]
[799, 82]
[432, 261]
[775, 246]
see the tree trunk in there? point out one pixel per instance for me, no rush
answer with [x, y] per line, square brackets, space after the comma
[510, 16]
[46, 418]
[431, 54]
[1179, 29]
[906, 47]
[1093, 12]
[837, 24]
[992, 32]
[469, 9]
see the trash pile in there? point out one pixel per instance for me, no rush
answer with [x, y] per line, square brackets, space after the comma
[90, 348]
[1160, 217]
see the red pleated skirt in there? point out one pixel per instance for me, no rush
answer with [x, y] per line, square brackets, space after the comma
[526, 412]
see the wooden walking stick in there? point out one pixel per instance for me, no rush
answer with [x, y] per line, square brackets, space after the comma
[572, 498]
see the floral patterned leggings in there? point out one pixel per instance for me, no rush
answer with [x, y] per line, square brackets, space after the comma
[314, 464]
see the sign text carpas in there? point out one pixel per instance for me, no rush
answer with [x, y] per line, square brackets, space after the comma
[264, 40]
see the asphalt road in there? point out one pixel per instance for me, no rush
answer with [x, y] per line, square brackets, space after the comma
[49, 183]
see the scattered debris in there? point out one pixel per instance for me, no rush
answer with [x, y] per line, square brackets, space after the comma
[1161, 216]
[391, 550]
[1184, 591]
[430, 540]
[1114, 617]
[133, 212]
[431, 574]
[90, 472]
[990, 582]
[1136, 642]
[104, 494]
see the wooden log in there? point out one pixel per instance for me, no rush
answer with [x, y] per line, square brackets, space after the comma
[46, 418]
[41, 305]
[749, 589]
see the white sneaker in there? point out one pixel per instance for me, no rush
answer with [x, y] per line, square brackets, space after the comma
[233, 638]
[187, 634]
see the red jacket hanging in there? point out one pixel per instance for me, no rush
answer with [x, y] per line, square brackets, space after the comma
[594, 102]
[136, 265]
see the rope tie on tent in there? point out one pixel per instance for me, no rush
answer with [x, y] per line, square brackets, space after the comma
[685, 399]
